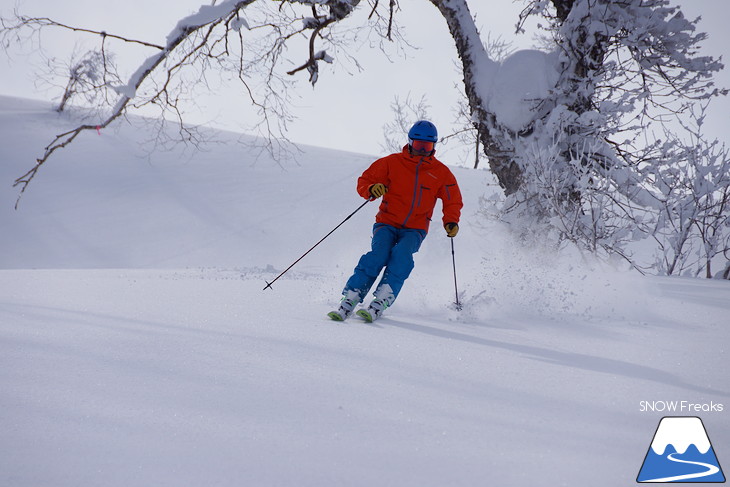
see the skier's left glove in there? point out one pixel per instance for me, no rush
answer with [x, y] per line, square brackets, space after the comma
[451, 229]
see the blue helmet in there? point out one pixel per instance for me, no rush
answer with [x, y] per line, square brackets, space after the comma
[423, 130]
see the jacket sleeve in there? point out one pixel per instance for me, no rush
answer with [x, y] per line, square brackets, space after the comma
[376, 173]
[451, 198]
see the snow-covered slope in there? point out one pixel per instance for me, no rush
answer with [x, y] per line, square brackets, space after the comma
[137, 346]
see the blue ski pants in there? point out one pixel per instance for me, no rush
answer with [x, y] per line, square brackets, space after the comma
[392, 248]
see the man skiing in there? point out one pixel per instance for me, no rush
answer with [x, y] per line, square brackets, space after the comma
[409, 182]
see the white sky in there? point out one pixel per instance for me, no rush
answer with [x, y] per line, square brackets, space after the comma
[344, 111]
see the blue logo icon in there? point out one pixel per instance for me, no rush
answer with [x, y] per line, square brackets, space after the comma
[681, 452]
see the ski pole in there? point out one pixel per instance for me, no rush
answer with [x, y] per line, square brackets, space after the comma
[268, 284]
[456, 289]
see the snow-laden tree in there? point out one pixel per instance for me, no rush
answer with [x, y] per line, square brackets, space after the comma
[567, 130]
[693, 226]
[89, 77]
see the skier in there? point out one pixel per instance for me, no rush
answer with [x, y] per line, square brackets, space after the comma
[409, 181]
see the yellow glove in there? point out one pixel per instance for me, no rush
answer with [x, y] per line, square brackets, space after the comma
[451, 229]
[377, 190]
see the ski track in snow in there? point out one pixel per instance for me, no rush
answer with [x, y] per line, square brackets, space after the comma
[711, 470]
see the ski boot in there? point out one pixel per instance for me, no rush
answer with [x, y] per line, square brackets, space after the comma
[375, 310]
[347, 304]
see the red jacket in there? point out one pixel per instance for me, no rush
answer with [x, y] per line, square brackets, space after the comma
[414, 183]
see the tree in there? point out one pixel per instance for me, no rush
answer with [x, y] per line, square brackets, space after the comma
[90, 76]
[693, 226]
[625, 69]
[405, 112]
[564, 130]
[467, 132]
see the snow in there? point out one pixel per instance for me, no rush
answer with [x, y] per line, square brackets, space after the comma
[522, 81]
[512, 90]
[206, 14]
[239, 23]
[680, 432]
[137, 346]
[483, 68]
[128, 91]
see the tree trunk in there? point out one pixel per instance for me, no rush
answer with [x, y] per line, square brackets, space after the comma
[562, 8]
[476, 65]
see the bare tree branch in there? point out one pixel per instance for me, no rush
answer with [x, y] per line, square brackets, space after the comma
[184, 31]
[41, 22]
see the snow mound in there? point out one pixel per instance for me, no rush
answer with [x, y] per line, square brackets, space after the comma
[522, 81]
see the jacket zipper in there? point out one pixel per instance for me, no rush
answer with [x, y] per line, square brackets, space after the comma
[448, 193]
[415, 194]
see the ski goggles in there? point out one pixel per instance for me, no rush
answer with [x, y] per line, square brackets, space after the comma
[422, 145]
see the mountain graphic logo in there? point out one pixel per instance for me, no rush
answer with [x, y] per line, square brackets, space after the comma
[681, 452]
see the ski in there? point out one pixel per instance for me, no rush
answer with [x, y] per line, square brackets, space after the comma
[336, 316]
[362, 313]
[365, 315]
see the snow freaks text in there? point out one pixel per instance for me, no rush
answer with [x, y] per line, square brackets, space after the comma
[682, 407]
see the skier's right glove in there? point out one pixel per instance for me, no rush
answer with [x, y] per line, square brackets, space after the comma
[377, 190]
[451, 229]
